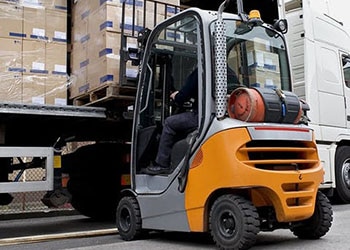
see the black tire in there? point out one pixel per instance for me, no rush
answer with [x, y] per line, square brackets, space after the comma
[95, 207]
[94, 182]
[233, 222]
[319, 223]
[128, 218]
[342, 174]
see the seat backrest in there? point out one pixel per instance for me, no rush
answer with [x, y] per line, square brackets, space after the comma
[147, 146]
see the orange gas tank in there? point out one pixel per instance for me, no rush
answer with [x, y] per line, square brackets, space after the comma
[246, 104]
[264, 105]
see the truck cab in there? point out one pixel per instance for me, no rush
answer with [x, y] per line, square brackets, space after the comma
[318, 40]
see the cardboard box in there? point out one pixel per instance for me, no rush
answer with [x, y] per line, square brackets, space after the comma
[80, 32]
[56, 26]
[56, 59]
[104, 43]
[11, 25]
[108, 17]
[10, 87]
[80, 10]
[11, 55]
[79, 58]
[264, 78]
[58, 5]
[263, 60]
[104, 70]
[34, 57]
[56, 90]
[271, 61]
[258, 44]
[34, 23]
[33, 88]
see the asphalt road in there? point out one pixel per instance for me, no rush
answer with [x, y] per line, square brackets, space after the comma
[337, 237]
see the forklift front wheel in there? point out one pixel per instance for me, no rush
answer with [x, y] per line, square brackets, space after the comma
[234, 222]
[129, 218]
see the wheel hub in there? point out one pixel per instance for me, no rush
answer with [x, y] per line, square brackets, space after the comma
[227, 224]
[125, 220]
[346, 174]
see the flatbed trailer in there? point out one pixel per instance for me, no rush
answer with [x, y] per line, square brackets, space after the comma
[42, 125]
[32, 137]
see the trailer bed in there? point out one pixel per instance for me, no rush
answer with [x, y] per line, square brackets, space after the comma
[41, 125]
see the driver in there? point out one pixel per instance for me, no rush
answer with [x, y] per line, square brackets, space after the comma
[176, 126]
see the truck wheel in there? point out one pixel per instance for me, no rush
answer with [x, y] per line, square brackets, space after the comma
[95, 172]
[342, 174]
[95, 208]
[129, 218]
[319, 223]
[233, 222]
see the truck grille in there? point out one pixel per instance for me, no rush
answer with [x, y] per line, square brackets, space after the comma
[279, 155]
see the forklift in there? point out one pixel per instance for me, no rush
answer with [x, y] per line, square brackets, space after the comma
[252, 164]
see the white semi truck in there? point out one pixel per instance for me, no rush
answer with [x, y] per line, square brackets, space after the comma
[319, 46]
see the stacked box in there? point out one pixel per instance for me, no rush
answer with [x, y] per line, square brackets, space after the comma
[263, 64]
[11, 55]
[56, 59]
[33, 35]
[34, 23]
[10, 69]
[264, 78]
[56, 90]
[263, 69]
[79, 57]
[56, 5]
[263, 60]
[10, 86]
[56, 26]
[97, 26]
[33, 88]
[11, 24]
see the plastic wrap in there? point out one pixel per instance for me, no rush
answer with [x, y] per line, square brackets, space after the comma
[33, 53]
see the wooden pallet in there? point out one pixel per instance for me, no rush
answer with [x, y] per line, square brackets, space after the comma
[108, 92]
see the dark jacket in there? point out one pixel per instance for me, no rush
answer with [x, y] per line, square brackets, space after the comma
[189, 91]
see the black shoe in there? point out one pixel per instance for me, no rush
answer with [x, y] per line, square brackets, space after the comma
[154, 170]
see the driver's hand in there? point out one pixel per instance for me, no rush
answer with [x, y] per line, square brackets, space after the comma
[172, 96]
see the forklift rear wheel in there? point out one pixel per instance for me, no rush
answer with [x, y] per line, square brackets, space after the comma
[234, 222]
[319, 223]
[129, 218]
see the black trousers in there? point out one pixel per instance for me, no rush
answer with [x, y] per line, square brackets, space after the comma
[175, 127]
